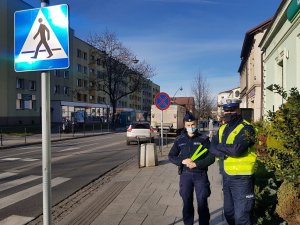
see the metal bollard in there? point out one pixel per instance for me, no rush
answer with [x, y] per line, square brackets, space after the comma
[93, 128]
[1, 139]
[139, 154]
[73, 129]
[167, 139]
[59, 131]
[25, 135]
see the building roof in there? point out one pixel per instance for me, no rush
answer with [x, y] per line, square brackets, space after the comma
[249, 38]
[189, 102]
[229, 91]
[271, 24]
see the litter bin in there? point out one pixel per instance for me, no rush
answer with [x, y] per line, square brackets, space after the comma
[148, 155]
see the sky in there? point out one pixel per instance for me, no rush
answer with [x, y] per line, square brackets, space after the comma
[178, 38]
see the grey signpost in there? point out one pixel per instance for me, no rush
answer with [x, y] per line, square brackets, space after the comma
[30, 33]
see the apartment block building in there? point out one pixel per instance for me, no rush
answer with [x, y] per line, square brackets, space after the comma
[74, 89]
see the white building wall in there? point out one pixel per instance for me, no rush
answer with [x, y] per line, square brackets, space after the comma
[281, 58]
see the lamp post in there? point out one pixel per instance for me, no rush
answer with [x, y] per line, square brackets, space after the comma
[179, 89]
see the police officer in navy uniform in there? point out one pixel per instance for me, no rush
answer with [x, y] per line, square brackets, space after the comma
[190, 153]
[233, 145]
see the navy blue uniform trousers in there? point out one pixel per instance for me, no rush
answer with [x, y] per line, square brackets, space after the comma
[188, 182]
[238, 199]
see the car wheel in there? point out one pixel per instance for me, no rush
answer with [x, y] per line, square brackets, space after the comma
[128, 142]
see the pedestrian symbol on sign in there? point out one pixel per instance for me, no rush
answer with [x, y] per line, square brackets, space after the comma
[42, 32]
[42, 39]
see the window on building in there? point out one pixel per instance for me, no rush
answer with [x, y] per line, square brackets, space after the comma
[25, 101]
[85, 70]
[56, 89]
[85, 56]
[79, 83]
[79, 53]
[85, 98]
[92, 71]
[66, 90]
[92, 97]
[32, 85]
[66, 74]
[20, 83]
[85, 83]
[78, 96]
[237, 94]
[98, 62]
[79, 68]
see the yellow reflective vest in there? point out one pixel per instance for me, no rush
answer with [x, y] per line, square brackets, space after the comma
[243, 165]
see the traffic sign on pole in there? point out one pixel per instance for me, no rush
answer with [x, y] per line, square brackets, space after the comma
[42, 38]
[162, 101]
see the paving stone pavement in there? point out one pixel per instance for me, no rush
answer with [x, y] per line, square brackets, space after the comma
[151, 197]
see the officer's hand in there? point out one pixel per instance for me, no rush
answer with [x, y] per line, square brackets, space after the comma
[191, 165]
[186, 161]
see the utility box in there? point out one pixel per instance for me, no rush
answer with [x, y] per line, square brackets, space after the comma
[148, 155]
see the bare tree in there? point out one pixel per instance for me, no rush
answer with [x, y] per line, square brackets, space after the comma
[204, 103]
[123, 74]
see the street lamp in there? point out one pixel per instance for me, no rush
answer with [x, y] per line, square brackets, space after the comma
[134, 61]
[179, 89]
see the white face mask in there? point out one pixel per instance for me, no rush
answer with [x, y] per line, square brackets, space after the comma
[191, 130]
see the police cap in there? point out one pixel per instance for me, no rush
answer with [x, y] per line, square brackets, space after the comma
[189, 117]
[231, 103]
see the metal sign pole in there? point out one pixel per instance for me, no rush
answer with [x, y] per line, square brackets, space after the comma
[46, 142]
[161, 133]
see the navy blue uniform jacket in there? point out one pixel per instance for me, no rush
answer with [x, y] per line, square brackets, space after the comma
[185, 146]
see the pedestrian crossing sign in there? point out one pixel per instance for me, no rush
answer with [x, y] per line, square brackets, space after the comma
[42, 39]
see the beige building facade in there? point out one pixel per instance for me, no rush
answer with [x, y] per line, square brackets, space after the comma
[250, 70]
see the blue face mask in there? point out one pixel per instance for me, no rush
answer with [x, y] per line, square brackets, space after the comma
[191, 130]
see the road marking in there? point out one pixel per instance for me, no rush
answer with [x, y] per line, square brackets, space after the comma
[56, 159]
[68, 149]
[16, 220]
[6, 174]
[19, 196]
[10, 159]
[17, 182]
[29, 160]
[19, 159]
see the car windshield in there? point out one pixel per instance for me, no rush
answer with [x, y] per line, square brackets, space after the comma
[141, 126]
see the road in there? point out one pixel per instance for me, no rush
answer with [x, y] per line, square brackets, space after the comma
[75, 163]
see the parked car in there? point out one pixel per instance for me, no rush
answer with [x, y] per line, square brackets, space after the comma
[140, 131]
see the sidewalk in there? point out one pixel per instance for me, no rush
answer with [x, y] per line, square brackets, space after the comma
[144, 196]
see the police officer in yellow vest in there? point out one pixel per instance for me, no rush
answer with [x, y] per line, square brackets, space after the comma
[190, 153]
[233, 145]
